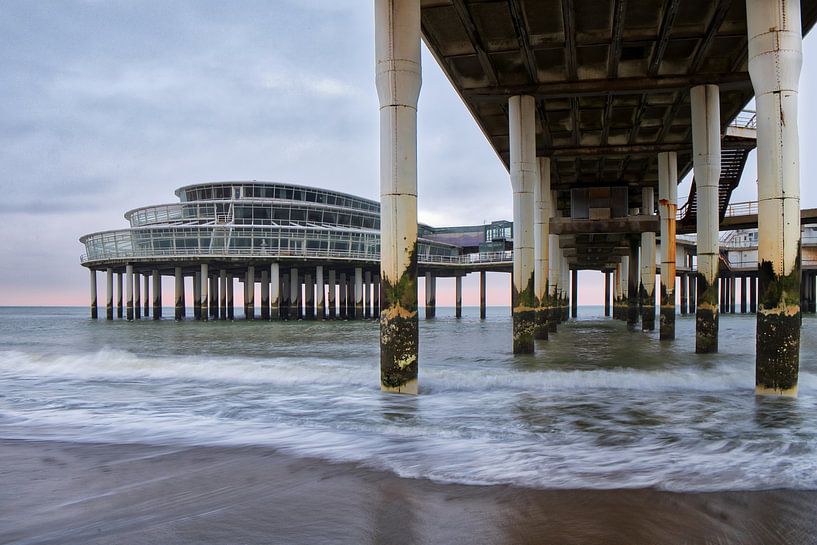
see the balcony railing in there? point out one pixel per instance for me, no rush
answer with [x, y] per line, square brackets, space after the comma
[746, 119]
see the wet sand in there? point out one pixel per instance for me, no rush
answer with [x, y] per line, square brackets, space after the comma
[70, 493]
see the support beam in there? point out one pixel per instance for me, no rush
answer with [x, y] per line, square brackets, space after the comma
[647, 286]
[574, 293]
[458, 296]
[94, 306]
[179, 295]
[482, 309]
[541, 247]
[667, 206]
[706, 148]
[397, 51]
[524, 170]
[157, 295]
[775, 60]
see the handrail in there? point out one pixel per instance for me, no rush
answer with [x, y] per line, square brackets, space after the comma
[466, 259]
[746, 119]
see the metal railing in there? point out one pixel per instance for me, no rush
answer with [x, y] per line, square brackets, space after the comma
[466, 259]
[746, 119]
[747, 208]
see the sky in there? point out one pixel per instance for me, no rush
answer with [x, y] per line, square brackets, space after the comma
[108, 105]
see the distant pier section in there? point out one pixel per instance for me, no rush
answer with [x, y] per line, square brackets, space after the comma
[314, 252]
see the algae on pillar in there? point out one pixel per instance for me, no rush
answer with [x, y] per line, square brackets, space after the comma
[397, 48]
[524, 179]
[775, 60]
[706, 151]
[541, 248]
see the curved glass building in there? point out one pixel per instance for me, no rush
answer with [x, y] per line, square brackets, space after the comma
[295, 240]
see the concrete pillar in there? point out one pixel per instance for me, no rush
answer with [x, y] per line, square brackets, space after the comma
[94, 306]
[197, 295]
[275, 291]
[203, 292]
[358, 293]
[109, 294]
[524, 180]
[332, 288]
[752, 294]
[706, 148]
[617, 292]
[137, 297]
[397, 47]
[574, 293]
[607, 293]
[320, 302]
[286, 298]
[667, 206]
[744, 296]
[482, 309]
[565, 288]
[230, 297]
[377, 296]
[294, 293]
[179, 286]
[309, 297]
[120, 307]
[222, 292]
[458, 296]
[553, 272]
[732, 284]
[146, 295]
[647, 286]
[213, 294]
[693, 294]
[683, 283]
[367, 294]
[775, 60]
[343, 310]
[633, 283]
[431, 295]
[249, 304]
[541, 248]
[157, 295]
[264, 294]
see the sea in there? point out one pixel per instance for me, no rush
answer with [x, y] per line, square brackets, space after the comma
[596, 407]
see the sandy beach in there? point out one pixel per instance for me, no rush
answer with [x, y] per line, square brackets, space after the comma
[66, 493]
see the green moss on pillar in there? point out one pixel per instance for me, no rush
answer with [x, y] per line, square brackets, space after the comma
[399, 334]
[524, 318]
[777, 362]
[667, 313]
[706, 317]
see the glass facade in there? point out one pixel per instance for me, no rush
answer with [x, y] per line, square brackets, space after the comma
[253, 219]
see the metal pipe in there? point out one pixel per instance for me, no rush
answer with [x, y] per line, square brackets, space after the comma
[706, 151]
[775, 61]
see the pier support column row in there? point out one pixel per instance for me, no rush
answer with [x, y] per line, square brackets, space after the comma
[541, 248]
[647, 286]
[775, 61]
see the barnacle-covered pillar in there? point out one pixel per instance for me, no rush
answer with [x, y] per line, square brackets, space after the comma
[667, 205]
[706, 151]
[775, 60]
[397, 48]
[524, 179]
[541, 247]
